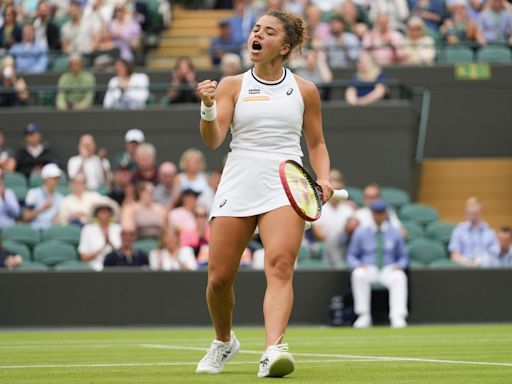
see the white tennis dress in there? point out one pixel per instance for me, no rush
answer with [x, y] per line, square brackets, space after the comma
[266, 129]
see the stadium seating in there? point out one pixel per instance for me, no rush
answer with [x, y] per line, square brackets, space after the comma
[458, 54]
[414, 230]
[20, 191]
[54, 252]
[72, 265]
[22, 233]
[36, 180]
[395, 196]
[146, 245]
[440, 230]
[421, 213]
[426, 251]
[445, 263]
[356, 195]
[496, 54]
[12, 179]
[66, 233]
[19, 249]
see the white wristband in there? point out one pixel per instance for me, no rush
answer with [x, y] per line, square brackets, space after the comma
[208, 113]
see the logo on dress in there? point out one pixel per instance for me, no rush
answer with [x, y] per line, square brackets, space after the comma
[223, 203]
[254, 91]
[289, 91]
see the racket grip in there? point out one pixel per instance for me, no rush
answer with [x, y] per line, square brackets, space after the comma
[340, 194]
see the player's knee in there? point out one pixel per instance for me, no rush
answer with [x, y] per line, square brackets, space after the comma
[281, 267]
[219, 282]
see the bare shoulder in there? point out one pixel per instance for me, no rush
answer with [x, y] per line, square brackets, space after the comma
[230, 86]
[307, 89]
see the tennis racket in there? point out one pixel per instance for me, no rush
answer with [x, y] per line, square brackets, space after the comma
[304, 193]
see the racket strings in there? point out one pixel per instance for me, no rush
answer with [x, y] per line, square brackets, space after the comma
[302, 190]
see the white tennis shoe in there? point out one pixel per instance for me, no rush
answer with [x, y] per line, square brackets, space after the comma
[276, 361]
[219, 354]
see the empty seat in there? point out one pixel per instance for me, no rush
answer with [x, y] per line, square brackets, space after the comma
[496, 54]
[421, 213]
[440, 230]
[18, 248]
[356, 195]
[445, 263]
[54, 252]
[414, 230]
[67, 233]
[22, 233]
[395, 196]
[14, 179]
[454, 55]
[426, 251]
[146, 245]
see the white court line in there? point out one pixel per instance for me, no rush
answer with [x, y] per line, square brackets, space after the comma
[366, 358]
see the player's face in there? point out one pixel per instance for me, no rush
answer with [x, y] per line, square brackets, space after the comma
[267, 40]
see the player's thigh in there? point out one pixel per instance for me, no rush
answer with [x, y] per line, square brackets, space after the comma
[281, 232]
[228, 238]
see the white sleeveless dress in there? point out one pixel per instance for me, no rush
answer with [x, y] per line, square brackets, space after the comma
[266, 129]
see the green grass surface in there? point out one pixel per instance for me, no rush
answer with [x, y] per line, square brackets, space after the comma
[419, 354]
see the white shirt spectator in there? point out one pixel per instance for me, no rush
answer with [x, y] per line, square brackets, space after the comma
[133, 97]
[162, 260]
[72, 205]
[93, 169]
[92, 240]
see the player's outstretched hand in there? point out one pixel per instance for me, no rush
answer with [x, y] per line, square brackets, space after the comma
[206, 90]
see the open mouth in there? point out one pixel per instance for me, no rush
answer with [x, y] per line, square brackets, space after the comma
[256, 46]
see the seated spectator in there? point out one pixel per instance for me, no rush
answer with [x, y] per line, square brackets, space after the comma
[342, 48]
[242, 21]
[30, 56]
[145, 158]
[102, 235]
[7, 155]
[35, 154]
[420, 48]
[125, 32]
[398, 11]
[9, 205]
[10, 31]
[47, 34]
[377, 253]
[472, 241]
[9, 259]
[103, 49]
[458, 28]
[192, 166]
[318, 29]
[76, 207]
[330, 227]
[132, 139]
[502, 256]
[166, 192]
[76, 87]
[122, 190]
[127, 90]
[385, 45]
[474, 7]
[74, 38]
[182, 217]
[430, 11]
[315, 69]
[13, 89]
[495, 24]
[230, 65]
[42, 204]
[170, 256]
[356, 18]
[208, 195]
[367, 84]
[224, 42]
[183, 83]
[146, 217]
[126, 255]
[95, 168]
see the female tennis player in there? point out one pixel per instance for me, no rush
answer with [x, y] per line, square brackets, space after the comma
[267, 108]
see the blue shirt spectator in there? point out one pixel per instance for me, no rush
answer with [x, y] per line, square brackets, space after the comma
[224, 42]
[126, 256]
[363, 247]
[495, 23]
[363, 87]
[431, 11]
[9, 207]
[43, 203]
[30, 57]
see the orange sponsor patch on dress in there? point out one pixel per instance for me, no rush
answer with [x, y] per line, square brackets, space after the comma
[256, 98]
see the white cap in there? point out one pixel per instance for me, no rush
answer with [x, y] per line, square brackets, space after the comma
[134, 135]
[51, 170]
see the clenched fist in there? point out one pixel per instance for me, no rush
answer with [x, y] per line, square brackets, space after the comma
[206, 90]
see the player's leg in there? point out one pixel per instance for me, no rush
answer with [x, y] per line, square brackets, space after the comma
[281, 231]
[361, 280]
[395, 280]
[229, 236]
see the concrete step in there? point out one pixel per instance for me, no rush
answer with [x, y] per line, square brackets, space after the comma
[167, 62]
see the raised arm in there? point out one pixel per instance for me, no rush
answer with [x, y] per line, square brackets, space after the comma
[217, 107]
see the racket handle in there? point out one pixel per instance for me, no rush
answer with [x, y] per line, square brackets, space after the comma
[340, 194]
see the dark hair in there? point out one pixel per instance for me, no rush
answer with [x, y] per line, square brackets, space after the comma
[140, 187]
[128, 65]
[294, 26]
[506, 229]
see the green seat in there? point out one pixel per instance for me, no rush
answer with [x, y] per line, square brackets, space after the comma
[65, 233]
[22, 233]
[414, 230]
[59, 63]
[18, 248]
[426, 251]
[457, 54]
[32, 266]
[312, 264]
[421, 213]
[54, 252]
[146, 245]
[36, 180]
[72, 265]
[494, 54]
[356, 195]
[415, 264]
[396, 197]
[64, 189]
[440, 230]
[20, 191]
[445, 263]
[12, 179]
